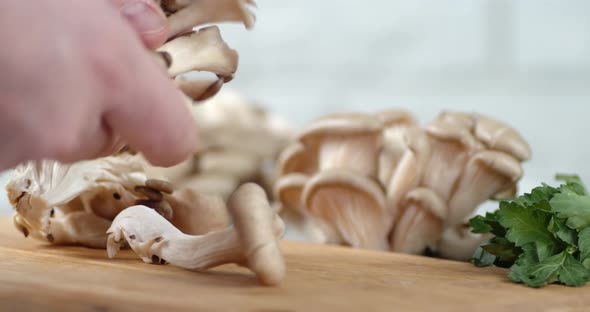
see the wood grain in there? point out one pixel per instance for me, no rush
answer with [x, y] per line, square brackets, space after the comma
[35, 276]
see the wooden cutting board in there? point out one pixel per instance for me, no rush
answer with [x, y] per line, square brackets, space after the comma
[36, 276]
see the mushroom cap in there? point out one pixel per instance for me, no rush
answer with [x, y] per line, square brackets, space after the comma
[500, 163]
[196, 213]
[344, 124]
[255, 222]
[202, 50]
[447, 130]
[486, 174]
[465, 120]
[499, 136]
[199, 89]
[296, 159]
[185, 15]
[231, 162]
[396, 117]
[421, 224]
[288, 190]
[409, 171]
[211, 184]
[349, 206]
[429, 200]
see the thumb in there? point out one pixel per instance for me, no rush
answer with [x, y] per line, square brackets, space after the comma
[146, 17]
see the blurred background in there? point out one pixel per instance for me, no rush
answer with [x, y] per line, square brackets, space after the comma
[526, 62]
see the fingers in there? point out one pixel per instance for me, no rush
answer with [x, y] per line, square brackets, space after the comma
[143, 105]
[146, 17]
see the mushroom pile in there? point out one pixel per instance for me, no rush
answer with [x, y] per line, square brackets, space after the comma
[239, 142]
[382, 182]
[88, 203]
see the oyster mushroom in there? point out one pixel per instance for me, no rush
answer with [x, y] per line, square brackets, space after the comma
[189, 51]
[296, 159]
[451, 147]
[458, 243]
[487, 173]
[211, 184]
[349, 208]
[202, 50]
[408, 173]
[196, 213]
[186, 14]
[501, 137]
[252, 241]
[199, 89]
[349, 141]
[230, 162]
[40, 190]
[421, 224]
[288, 191]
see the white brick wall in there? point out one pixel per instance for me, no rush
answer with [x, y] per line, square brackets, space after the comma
[524, 61]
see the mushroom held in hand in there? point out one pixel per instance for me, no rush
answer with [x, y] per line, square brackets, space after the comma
[252, 241]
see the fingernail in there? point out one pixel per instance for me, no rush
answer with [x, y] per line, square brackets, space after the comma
[144, 18]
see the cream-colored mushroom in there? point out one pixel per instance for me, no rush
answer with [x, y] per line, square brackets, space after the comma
[196, 213]
[288, 191]
[487, 173]
[421, 225]
[230, 162]
[395, 123]
[499, 136]
[296, 159]
[349, 141]
[458, 243]
[76, 228]
[199, 89]
[252, 241]
[451, 147]
[186, 14]
[211, 184]
[202, 50]
[103, 187]
[349, 208]
[408, 173]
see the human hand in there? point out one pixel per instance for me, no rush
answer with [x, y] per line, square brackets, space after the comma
[76, 81]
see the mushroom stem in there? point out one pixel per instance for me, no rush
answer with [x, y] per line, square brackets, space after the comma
[252, 241]
[486, 174]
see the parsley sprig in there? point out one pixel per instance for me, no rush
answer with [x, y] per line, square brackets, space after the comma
[542, 236]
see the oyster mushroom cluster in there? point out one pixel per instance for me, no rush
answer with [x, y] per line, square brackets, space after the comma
[88, 204]
[382, 182]
[239, 142]
[199, 61]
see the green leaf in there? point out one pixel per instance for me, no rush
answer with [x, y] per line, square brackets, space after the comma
[479, 225]
[573, 273]
[482, 258]
[573, 183]
[562, 267]
[527, 259]
[584, 245]
[574, 207]
[527, 225]
[538, 194]
[504, 250]
[487, 224]
[562, 232]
